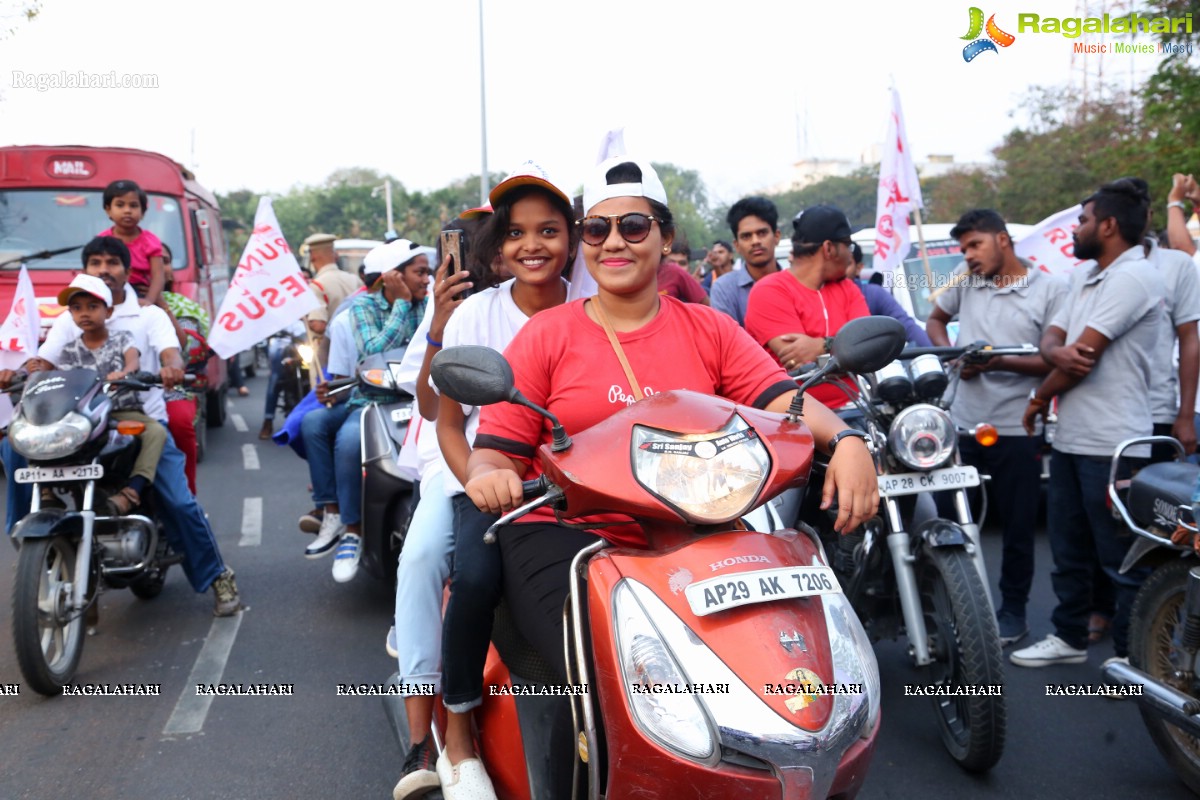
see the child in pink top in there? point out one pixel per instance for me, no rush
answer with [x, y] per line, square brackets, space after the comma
[125, 204]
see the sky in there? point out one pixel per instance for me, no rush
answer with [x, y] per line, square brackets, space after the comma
[265, 96]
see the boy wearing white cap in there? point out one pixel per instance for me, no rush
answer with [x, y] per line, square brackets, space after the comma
[114, 356]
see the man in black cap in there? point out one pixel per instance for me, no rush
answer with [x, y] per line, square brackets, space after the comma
[796, 312]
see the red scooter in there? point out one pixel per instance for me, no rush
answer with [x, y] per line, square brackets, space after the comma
[719, 662]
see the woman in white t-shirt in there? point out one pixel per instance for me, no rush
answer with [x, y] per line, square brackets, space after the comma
[532, 227]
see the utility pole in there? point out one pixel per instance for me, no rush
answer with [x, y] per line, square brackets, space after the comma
[483, 170]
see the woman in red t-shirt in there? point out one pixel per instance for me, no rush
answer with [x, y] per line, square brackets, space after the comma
[563, 361]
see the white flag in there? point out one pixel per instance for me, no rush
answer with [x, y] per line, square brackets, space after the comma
[1050, 246]
[582, 282]
[899, 193]
[18, 335]
[268, 292]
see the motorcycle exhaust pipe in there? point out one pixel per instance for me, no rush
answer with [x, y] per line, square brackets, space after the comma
[1165, 702]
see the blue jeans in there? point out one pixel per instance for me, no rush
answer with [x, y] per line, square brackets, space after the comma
[420, 575]
[1084, 535]
[278, 347]
[335, 458]
[475, 590]
[186, 527]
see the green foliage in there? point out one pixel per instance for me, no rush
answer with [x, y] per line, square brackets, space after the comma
[688, 200]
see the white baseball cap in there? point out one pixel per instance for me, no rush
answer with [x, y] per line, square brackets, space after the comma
[85, 284]
[387, 257]
[597, 189]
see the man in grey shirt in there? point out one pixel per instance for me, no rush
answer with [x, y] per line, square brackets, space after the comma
[1005, 301]
[1112, 319]
[755, 225]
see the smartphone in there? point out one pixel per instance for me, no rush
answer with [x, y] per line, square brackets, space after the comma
[453, 246]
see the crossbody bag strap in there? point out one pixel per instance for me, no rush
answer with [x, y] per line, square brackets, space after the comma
[616, 346]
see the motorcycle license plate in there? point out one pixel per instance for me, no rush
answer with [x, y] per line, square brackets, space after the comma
[760, 586]
[933, 481]
[401, 414]
[82, 472]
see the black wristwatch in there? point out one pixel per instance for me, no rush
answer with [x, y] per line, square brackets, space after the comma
[827, 345]
[866, 437]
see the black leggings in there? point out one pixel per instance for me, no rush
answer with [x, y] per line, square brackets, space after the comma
[537, 571]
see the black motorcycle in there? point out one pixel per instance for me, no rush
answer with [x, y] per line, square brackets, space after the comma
[1164, 624]
[389, 493]
[68, 553]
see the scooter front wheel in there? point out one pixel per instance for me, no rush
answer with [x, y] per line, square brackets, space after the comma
[967, 657]
[1155, 628]
[48, 636]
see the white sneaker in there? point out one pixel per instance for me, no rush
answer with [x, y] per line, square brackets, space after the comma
[331, 530]
[345, 560]
[1051, 650]
[467, 781]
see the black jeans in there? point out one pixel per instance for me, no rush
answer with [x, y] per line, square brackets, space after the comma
[476, 580]
[1084, 535]
[1015, 464]
[537, 570]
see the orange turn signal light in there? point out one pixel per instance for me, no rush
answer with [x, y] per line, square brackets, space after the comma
[375, 377]
[130, 428]
[986, 434]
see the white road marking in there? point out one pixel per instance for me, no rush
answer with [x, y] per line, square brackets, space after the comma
[239, 423]
[191, 710]
[251, 522]
[249, 456]
[228, 404]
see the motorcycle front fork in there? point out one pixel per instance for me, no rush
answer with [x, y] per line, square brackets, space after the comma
[899, 543]
[83, 555]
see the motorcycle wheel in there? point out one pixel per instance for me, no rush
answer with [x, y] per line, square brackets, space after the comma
[966, 647]
[1155, 627]
[48, 641]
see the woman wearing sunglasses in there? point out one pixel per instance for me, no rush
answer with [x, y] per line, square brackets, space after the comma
[563, 360]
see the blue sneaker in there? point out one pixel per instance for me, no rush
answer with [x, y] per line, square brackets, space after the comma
[1012, 628]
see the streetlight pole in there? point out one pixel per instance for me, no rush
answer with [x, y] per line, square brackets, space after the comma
[483, 171]
[387, 201]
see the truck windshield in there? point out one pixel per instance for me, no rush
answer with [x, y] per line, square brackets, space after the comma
[33, 220]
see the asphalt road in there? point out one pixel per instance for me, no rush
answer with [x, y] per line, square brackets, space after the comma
[301, 628]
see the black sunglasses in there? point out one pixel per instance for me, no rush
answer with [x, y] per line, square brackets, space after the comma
[633, 227]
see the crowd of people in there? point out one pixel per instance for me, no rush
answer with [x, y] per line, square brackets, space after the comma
[1119, 358]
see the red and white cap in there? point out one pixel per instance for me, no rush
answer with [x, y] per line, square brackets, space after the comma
[528, 174]
[85, 284]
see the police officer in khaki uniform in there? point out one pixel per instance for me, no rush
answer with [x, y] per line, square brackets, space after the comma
[330, 285]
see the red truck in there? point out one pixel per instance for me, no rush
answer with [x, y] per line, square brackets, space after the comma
[51, 198]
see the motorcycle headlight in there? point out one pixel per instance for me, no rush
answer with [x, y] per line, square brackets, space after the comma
[710, 477]
[673, 719]
[47, 442]
[305, 351]
[922, 437]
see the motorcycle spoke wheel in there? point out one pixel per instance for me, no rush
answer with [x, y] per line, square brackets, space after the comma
[47, 637]
[966, 650]
[1155, 629]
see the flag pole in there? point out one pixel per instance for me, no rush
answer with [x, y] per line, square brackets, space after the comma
[921, 246]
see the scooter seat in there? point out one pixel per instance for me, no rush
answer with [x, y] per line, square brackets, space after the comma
[1158, 490]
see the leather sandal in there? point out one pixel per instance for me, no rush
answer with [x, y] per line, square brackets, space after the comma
[123, 501]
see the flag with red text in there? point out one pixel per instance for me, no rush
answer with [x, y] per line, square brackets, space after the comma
[18, 334]
[899, 193]
[1050, 246]
[266, 294]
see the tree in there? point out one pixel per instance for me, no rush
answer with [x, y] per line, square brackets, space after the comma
[15, 12]
[687, 197]
[855, 194]
[948, 196]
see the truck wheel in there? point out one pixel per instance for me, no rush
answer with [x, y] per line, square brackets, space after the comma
[1155, 627]
[48, 638]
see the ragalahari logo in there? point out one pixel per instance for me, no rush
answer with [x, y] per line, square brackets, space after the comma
[995, 36]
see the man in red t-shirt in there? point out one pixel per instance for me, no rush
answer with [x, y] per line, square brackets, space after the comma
[795, 313]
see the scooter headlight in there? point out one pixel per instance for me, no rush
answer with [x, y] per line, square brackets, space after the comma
[305, 351]
[652, 678]
[922, 437]
[47, 442]
[853, 657]
[708, 478]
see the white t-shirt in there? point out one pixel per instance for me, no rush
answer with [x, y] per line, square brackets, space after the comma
[152, 335]
[490, 318]
[429, 455]
[343, 354]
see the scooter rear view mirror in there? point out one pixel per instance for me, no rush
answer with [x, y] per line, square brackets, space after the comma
[472, 374]
[868, 344]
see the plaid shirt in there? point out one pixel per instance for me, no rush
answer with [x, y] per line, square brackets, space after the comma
[379, 326]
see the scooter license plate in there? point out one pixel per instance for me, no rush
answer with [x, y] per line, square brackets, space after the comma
[744, 588]
[82, 472]
[937, 480]
[400, 415]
